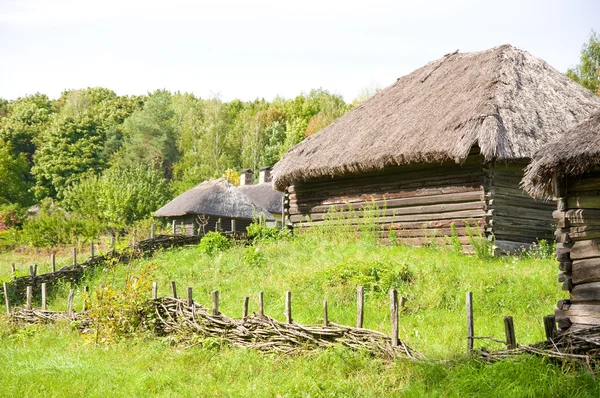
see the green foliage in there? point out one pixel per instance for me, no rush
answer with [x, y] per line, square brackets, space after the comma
[253, 257]
[120, 196]
[11, 216]
[259, 231]
[587, 72]
[14, 172]
[454, 240]
[482, 247]
[213, 242]
[540, 250]
[53, 226]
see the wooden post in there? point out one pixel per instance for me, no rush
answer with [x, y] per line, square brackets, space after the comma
[218, 227]
[190, 299]
[34, 269]
[6, 298]
[360, 302]
[91, 249]
[53, 262]
[152, 231]
[245, 307]
[154, 290]
[509, 331]
[86, 295]
[325, 315]
[232, 225]
[215, 302]
[261, 307]
[31, 271]
[288, 306]
[550, 327]
[173, 289]
[74, 256]
[70, 303]
[173, 227]
[44, 296]
[470, 331]
[28, 293]
[394, 316]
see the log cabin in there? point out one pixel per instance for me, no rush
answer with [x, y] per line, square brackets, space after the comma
[444, 145]
[263, 194]
[569, 170]
[211, 206]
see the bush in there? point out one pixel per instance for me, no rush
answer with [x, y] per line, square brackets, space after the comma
[258, 231]
[213, 242]
[12, 216]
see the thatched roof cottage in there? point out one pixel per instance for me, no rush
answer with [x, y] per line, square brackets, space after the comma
[263, 193]
[569, 169]
[212, 205]
[444, 144]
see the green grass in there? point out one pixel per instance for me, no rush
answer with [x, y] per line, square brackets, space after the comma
[56, 361]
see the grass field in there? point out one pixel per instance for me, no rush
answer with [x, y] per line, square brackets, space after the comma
[56, 361]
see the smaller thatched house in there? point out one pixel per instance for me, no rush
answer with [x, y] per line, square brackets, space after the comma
[263, 193]
[210, 206]
[569, 170]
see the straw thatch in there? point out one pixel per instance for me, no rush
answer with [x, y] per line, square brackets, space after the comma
[571, 155]
[264, 195]
[504, 99]
[215, 198]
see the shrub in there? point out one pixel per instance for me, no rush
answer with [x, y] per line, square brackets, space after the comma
[12, 216]
[253, 257]
[540, 250]
[213, 242]
[258, 231]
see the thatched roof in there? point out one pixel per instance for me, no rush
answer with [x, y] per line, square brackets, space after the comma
[571, 155]
[504, 99]
[264, 195]
[216, 198]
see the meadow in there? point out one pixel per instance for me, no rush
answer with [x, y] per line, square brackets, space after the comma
[55, 360]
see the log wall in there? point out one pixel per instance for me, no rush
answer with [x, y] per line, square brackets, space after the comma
[189, 225]
[514, 219]
[420, 202]
[578, 250]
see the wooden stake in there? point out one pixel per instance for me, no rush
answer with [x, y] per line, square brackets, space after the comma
[173, 227]
[86, 295]
[31, 272]
[245, 307]
[6, 298]
[92, 249]
[288, 306]
[34, 269]
[74, 256]
[44, 296]
[232, 225]
[173, 289]
[360, 302]
[190, 299]
[470, 331]
[550, 327]
[394, 316]
[53, 262]
[70, 303]
[154, 290]
[152, 231]
[29, 291]
[509, 331]
[325, 315]
[215, 302]
[261, 308]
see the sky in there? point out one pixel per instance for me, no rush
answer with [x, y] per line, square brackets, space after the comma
[263, 49]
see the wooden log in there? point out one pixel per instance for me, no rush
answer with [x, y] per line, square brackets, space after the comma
[6, 297]
[173, 289]
[470, 329]
[581, 200]
[325, 314]
[53, 262]
[589, 183]
[43, 296]
[579, 316]
[215, 302]
[550, 327]
[261, 308]
[360, 304]
[394, 316]
[28, 295]
[566, 266]
[190, 299]
[70, 303]
[585, 271]
[288, 306]
[584, 249]
[154, 290]
[509, 331]
[245, 307]
[586, 292]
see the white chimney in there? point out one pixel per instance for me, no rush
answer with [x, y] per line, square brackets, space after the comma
[264, 175]
[246, 177]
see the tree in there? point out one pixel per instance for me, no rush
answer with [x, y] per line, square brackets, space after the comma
[587, 72]
[14, 185]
